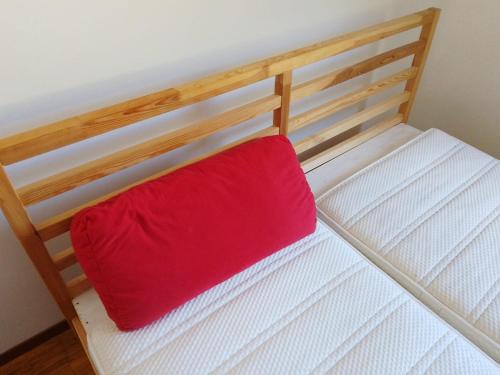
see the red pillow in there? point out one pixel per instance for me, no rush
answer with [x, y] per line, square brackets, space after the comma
[159, 244]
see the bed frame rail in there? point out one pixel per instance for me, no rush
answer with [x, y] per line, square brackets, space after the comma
[22, 146]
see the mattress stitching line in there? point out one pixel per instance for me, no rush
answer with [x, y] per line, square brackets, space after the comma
[447, 336]
[389, 156]
[171, 339]
[408, 182]
[495, 295]
[329, 287]
[440, 354]
[403, 301]
[443, 203]
[479, 227]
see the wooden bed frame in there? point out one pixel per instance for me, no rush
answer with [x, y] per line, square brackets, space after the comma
[25, 145]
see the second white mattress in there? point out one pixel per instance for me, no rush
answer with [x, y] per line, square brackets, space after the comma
[429, 215]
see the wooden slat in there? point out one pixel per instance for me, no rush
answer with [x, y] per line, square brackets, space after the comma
[78, 285]
[20, 222]
[59, 224]
[350, 143]
[350, 99]
[350, 122]
[65, 181]
[64, 259]
[344, 74]
[426, 36]
[49, 137]
[72, 178]
[282, 87]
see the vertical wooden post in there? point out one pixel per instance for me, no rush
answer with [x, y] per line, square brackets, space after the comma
[18, 218]
[426, 35]
[283, 87]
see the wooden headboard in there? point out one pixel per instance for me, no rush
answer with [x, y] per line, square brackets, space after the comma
[29, 144]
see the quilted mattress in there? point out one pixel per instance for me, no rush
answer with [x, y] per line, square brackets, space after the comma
[428, 214]
[316, 306]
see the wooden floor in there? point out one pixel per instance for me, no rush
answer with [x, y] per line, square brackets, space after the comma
[61, 355]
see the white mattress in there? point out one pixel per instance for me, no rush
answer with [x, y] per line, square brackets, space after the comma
[316, 306]
[428, 214]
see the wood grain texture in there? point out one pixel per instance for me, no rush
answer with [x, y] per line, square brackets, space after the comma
[64, 259]
[33, 342]
[350, 122]
[21, 224]
[426, 36]
[61, 355]
[282, 87]
[344, 74]
[91, 171]
[59, 224]
[341, 148]
[65, 181]
[52, 136]
[78, 285]
[336, 105]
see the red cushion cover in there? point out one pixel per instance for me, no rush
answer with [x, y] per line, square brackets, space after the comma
[158, 245]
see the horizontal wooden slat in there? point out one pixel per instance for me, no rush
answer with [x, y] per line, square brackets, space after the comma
[344, 74]
[350, 143]
[351, 122]
[49, 137]
[59, 224]
[72, 178]
[68, 180]
[350, 99]
[78, 285]
[64, 259]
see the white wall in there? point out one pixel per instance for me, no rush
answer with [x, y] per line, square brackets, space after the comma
[460, 90]
[60, 58]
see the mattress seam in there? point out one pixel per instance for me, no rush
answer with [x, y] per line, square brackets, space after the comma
[400, 300]
[446, 347]
[328, 287]
[448, 338]
[463, 244]
[405, 184]
[412, 227]
[495, 285]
